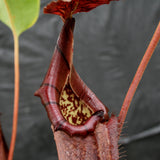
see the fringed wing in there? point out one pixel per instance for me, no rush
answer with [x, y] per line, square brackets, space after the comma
[101, 145]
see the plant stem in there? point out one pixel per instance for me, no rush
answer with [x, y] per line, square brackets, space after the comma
[132, 89]
[16, 96]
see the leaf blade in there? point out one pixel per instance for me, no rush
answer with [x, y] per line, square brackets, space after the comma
[4, 17]
[19, 16]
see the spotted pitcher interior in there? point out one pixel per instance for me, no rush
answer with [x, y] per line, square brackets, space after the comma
[74, 110]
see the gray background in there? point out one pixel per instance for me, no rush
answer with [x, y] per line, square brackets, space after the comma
[109, 44]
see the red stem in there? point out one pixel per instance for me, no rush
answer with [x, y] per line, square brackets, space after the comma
[132, 89]
[16, 97]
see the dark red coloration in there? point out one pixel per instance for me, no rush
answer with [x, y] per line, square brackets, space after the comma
[66, 9]
[61, 72]
[101, 145]
[113, 130]
[3, 147]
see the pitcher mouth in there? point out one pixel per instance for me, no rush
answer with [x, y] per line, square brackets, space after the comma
[71, 106]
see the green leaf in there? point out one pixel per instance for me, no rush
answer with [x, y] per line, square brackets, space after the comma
[19, 15]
